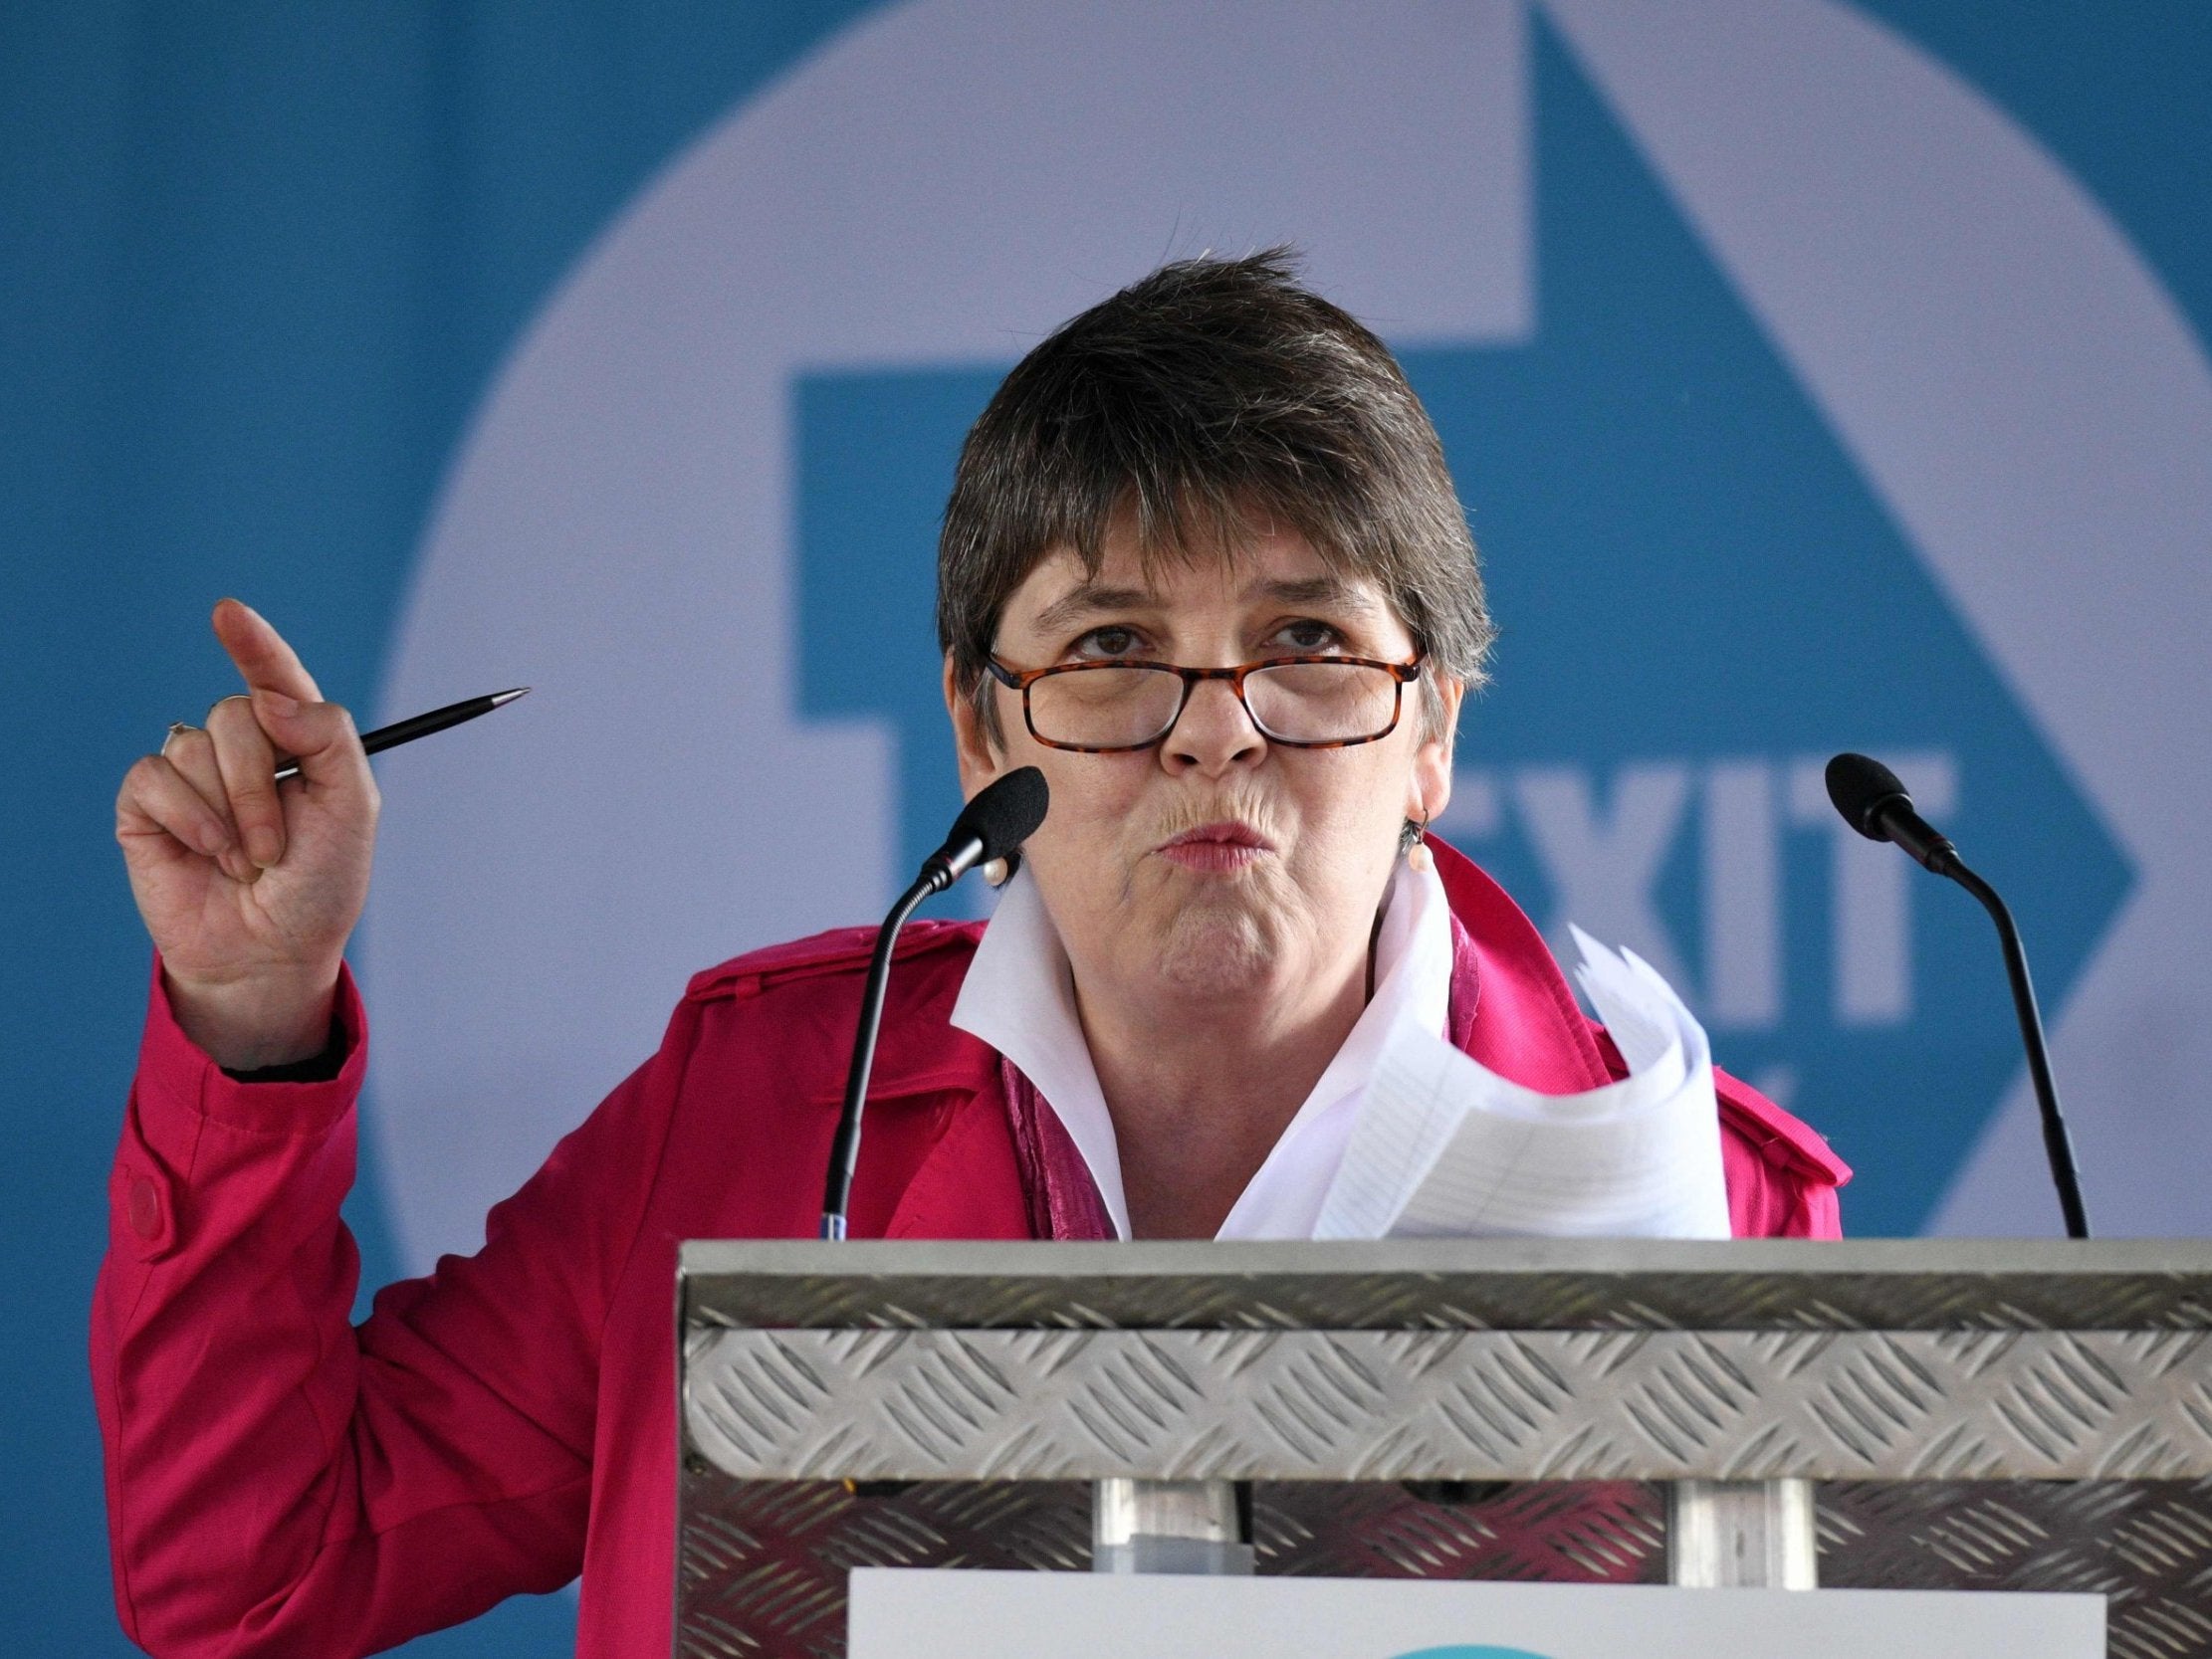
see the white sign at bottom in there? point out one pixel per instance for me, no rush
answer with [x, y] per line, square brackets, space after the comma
[957, 1614]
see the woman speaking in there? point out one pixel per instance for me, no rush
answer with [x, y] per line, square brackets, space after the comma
[1203, 564]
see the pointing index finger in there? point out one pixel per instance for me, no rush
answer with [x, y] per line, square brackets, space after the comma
[264, 660]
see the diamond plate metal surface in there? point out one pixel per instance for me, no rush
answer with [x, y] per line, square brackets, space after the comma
[1469, 1406]
[2144, 1545]
[763, 1572]
[761, 1566]
[1927, 1361]
[1458, 1284]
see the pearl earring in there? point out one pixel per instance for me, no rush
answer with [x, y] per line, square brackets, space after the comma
[996, 872]
[1417, 858]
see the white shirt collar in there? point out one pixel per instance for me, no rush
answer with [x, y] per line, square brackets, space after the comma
[1019, 997]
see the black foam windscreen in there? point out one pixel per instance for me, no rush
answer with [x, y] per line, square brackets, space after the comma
[1006, 814]
[1859, 786]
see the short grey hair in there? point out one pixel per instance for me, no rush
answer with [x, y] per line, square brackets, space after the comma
[1212, 396]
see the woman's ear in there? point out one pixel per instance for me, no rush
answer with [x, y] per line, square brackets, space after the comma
[1428, 790]
[978, 756]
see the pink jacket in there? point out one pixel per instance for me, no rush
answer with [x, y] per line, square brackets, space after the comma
[281, 1482]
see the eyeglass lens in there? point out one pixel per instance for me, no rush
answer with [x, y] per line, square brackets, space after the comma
[1297, 703]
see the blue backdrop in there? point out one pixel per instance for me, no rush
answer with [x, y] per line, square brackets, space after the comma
[261, 264]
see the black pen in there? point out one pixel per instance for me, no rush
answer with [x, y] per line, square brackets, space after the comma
[421, 725]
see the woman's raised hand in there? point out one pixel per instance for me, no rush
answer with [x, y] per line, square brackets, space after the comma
[250, 888]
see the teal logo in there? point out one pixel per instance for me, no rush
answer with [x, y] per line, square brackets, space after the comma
[1461, 1651]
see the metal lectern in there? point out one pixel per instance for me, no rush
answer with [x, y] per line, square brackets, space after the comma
[1897, 1413]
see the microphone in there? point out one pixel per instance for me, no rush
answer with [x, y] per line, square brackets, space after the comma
[1875, 803]
[993, 825]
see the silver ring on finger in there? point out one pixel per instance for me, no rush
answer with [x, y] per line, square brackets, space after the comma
[235, 696]
[177, 728]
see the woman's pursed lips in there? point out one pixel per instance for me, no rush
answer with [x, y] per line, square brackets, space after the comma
[1217, 848]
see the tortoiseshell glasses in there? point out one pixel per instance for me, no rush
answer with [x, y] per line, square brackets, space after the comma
[1108, 708]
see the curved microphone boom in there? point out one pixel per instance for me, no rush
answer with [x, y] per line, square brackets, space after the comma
[1875, 804]
[993, 825]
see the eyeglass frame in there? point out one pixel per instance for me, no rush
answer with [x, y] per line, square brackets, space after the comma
[1022, 679]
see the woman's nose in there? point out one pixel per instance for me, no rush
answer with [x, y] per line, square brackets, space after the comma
[1214, 734]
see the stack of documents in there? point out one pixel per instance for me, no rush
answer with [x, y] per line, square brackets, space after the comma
[1443, 1146]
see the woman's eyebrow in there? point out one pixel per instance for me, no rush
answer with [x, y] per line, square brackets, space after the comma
[1332, 592]
[1089, 600]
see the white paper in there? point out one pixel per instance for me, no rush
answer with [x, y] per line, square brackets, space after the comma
[1443, 1146]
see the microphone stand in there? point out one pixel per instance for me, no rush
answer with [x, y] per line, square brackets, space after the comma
[992, 826]
[1875, 803]
[2058, 1143]
[844, 1150]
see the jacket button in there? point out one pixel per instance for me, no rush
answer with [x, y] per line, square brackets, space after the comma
[144, 1208]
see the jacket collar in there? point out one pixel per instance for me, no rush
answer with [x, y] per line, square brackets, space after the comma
[1512, 1008]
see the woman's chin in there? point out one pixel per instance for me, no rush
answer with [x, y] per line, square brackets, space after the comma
[1217, 945]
